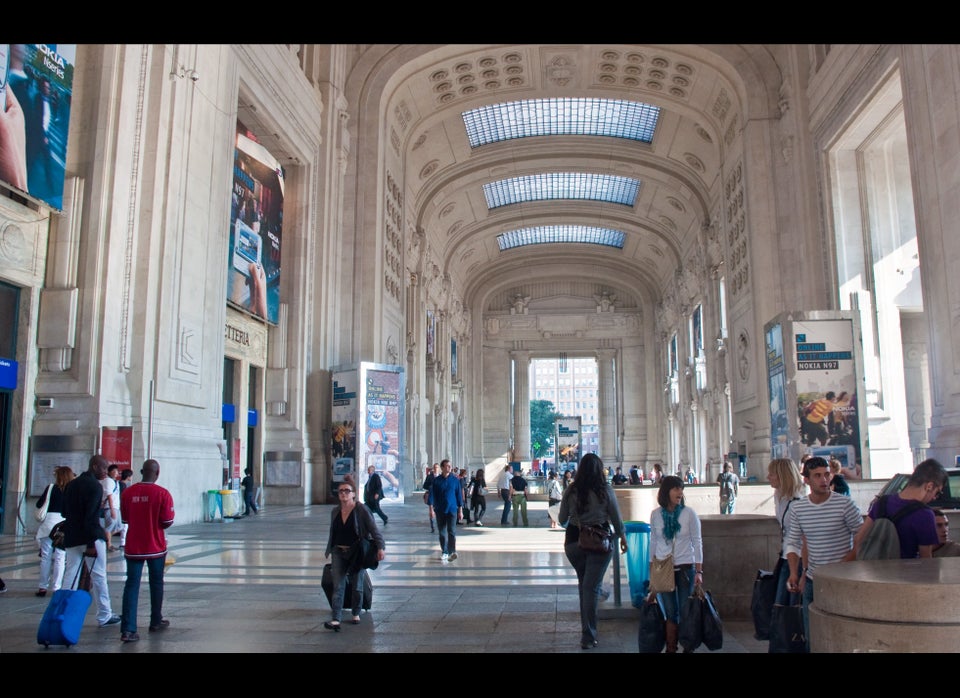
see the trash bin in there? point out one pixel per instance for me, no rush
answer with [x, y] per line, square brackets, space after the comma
[212, 510]
[231, 503]
[638, 559]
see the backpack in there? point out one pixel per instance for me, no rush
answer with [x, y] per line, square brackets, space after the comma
[726, 484]
[883, 541]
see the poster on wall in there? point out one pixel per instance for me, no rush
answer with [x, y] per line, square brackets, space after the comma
[776, 381]
[36, 91]
[343, 429]
[569, 442]
[116, 445]
[381, 408]
[826, 384]
[256, 225]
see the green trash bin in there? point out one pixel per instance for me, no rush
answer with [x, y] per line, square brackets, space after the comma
[638, 559]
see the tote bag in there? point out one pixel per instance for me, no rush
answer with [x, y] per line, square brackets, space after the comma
[787, 634]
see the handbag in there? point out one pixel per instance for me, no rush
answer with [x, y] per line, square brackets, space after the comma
[595, 538]
[710, 624]
[652, 635]
[41, 513]
[787, 634]
[662, 578]
[761, 602]
[691, 621]
[57, 534]
[426, 497]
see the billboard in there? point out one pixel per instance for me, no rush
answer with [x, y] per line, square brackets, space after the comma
[568, 438]
[256, 229]
[776, 381]
[36, 91]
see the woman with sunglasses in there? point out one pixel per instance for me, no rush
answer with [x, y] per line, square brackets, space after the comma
[348, 523]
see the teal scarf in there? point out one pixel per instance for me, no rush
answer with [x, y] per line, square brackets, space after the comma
[671, 521]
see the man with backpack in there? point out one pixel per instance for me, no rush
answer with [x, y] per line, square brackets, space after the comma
[729, 488]
[913, 521]
[827, 523]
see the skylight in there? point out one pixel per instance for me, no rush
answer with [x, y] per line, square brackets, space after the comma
[563, 116]
[544, 234]
[561, 185]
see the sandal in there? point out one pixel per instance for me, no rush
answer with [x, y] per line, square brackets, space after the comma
[355, 620]
[331, 626]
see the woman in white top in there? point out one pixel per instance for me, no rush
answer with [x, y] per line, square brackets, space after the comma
[785, 479]
[675, 529]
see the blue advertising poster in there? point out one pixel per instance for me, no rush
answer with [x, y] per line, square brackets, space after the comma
[381, 407]
[256, 225]
[776, 379]
[36, 89]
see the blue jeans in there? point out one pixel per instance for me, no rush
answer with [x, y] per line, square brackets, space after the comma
[131, 592]
[590, 569]
[249, 502]
[339, 564]
[783, 596]
[505, 496]
[447, 530]
[674, 601]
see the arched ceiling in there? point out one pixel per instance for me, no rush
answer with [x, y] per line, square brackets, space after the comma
[701, 92]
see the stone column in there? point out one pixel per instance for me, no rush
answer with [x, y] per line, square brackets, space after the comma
[521, 404]
[607, 403]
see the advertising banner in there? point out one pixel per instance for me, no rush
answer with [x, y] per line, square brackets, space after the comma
[569, 442]
[116, 445]
[382, 410]
[776, 380]
[343, 430]
[36, 89]
[826, 384]
[256, 224]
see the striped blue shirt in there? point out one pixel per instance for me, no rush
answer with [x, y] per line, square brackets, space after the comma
[828, 527]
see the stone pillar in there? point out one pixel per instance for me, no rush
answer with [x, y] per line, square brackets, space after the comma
[607, 403]
[521, 404]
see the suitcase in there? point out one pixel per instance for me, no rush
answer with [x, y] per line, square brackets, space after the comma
[326, 582]
[63, 619]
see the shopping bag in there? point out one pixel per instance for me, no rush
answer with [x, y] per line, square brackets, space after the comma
[787, 634]
[710, 624]
[652, 634]
[691, 621]
[761, 603]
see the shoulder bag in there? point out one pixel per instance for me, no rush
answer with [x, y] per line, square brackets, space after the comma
[41, 513]
[57, 533]
[595, 538]
[662, 579]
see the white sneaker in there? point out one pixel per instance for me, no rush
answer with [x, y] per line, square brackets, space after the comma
[453, 556]
[479, 523]
[444, 557]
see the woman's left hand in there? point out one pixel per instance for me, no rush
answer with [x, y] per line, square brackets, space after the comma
[623, 544]
[381, 554]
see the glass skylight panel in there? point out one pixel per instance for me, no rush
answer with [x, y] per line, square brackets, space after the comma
[544, 234]
[561, 185]
[562, 116]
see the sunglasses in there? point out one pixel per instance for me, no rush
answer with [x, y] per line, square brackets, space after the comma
[344, 491]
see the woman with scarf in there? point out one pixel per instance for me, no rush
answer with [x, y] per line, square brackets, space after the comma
[590, 500]
[675, 528]
[348, 523]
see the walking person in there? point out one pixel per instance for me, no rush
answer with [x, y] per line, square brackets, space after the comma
[147, 509]
[590, 500]
[554, 496]
[478, 497]
[348, 524]
[249, 493]
[448, 507]
[466, 482]
[518, 497]
[373, 493]
[785, 479]
[503, 485]
[675, 529]
[110, 508]
[729, 488]
[84, 538]
[821, 528]
[52, 559]
[432, 473]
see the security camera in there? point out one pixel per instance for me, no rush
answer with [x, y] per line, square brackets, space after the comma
[194, 75]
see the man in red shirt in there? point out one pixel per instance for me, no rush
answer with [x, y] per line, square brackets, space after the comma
[147, 509]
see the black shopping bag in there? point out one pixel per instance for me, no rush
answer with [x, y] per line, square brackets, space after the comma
[691, 621]
[652, 635]
[761, 603]
[710, 623]
[787, 634]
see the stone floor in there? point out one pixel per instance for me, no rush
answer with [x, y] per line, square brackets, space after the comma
[252, 585]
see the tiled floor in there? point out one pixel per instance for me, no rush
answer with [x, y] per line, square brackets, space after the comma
[252, 585]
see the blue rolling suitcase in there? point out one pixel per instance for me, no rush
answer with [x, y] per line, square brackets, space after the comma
[63, 619]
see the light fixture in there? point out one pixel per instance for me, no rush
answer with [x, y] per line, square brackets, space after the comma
[184, 72]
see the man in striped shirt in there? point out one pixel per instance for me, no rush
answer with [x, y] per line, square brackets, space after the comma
[823, 526]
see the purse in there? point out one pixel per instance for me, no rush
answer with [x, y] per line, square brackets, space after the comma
[662, 578]
[57, 534]
[595, 538]
[41, 513]
[787, 634]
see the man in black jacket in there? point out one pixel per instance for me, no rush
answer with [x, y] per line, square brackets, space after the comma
[84, 538]
[373, 493]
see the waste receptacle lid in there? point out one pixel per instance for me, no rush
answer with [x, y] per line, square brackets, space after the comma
[213, 491]
[226, 491]
[636, 527]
